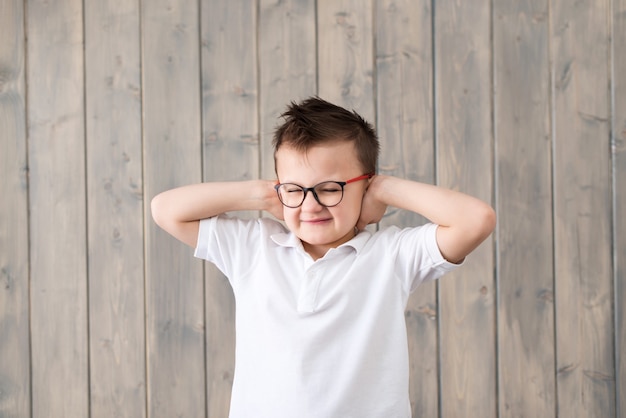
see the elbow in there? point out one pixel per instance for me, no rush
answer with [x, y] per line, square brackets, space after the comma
[164, 213]
[157, 209]
[486, 220]
[480, 225]
[476, 224]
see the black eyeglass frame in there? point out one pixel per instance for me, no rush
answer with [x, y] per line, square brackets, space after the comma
[305, 190]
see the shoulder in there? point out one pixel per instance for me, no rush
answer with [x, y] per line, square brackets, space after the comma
[412, 245]
[412, 253]
[226, 228]
[394, 235]
[233, 223]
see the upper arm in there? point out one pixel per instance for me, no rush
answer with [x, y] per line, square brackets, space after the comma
[186, 232]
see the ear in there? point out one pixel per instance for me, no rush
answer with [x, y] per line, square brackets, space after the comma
[367, 186]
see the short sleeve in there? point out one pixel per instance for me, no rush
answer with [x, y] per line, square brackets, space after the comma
[418, 256]
[205, 238]
[226, 241]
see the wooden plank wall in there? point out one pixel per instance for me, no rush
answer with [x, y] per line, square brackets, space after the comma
[105, 103]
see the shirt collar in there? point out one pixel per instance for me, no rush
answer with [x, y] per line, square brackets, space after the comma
[286, 239]
[289, 239]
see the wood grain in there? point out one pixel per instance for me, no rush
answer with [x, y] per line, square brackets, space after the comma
[618, 154]
[230, 152]
[58, 250]
[464, 162]
[14, 267]
[287, 66]
[345, 54]
[115, 194]
[111, 102]
[405, 127]
[582, 208]
[526, 364]
[175, 334]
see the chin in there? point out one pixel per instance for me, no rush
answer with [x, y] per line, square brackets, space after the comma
[324, 239]
[314, 239]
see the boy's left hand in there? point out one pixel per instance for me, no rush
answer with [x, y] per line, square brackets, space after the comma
[372, 209]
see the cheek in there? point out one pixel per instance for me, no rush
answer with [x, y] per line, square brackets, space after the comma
[352, 209]
[290, 216]
[356, 200]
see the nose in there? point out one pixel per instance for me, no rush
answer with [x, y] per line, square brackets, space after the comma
[310, 204]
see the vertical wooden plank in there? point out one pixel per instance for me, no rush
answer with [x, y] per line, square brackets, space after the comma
[582, 202]
[524, 204]
[287, 65]
[230, 148]
[404, 87]
[618, 130]
[345, 54]
[172, 157]
[229, 90]
[14, 309]
[464, 163]
[115, 208]
[405, 114]
[57, 209]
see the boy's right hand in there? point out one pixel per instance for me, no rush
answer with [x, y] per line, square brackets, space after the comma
[273, 205]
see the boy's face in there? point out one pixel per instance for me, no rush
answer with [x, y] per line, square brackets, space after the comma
[321, 228]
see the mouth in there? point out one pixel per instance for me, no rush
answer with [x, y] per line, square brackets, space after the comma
[317, 221]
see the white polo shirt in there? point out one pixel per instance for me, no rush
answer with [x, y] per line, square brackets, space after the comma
[320, 339]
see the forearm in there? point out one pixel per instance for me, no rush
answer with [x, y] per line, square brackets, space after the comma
[439, 205]
[205, 200]
[178, 210]
[464, 221]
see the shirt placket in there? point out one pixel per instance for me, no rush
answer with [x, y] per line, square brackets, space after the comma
[309, 289]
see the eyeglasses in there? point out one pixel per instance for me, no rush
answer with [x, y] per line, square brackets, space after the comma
[327, 193]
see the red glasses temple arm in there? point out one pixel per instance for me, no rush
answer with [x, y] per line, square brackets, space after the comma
[363, 177]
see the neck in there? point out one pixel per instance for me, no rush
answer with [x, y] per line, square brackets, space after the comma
[318, 251]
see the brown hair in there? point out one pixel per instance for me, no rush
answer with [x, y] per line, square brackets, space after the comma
[315, 121]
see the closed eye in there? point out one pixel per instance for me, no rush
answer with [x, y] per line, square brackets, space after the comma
[292, 188]
[329, 188]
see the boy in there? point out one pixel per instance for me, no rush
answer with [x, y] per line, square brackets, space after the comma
[320, 304]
